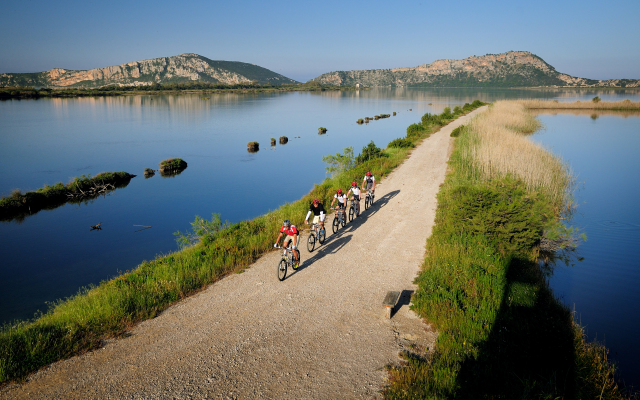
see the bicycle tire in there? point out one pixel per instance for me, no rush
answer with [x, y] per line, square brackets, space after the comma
[311, 242]
[322, 236]
[344, 220]
[335, 224]
[366, 203]
[352, 214]
[282, 269]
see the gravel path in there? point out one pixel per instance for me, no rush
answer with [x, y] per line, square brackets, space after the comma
[321, 333]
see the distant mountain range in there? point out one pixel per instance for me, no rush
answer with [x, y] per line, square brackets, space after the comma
[510, 69]
[183, 68]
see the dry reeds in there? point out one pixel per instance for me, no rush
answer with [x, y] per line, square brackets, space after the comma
[625, 105]
[497, 147]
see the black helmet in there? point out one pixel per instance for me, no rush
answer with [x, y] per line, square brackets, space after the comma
[286, 222]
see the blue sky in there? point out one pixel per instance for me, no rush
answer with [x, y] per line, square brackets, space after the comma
[303, 39]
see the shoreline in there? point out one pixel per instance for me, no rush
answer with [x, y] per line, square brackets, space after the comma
[153, 286]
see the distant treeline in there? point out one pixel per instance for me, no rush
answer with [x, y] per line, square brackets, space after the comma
[160, 88]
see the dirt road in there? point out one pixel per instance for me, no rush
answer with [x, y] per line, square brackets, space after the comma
[322, 333]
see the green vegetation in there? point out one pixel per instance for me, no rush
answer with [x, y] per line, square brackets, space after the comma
[369, 152]
[401, 143]
[172, 165]
[502, 332]
[322, 130]
[19, 205]
[210, 252]
[456, 132]
[360, 121]
[252, 147]
[166, 88]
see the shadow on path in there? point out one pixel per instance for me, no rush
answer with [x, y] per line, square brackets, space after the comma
[339, 239]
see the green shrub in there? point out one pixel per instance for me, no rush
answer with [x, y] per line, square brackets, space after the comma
[596, 99]
[456, 132]
[401, 143]
[369, 152]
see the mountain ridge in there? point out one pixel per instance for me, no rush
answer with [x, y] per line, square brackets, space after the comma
[510, 69]
[181, 68]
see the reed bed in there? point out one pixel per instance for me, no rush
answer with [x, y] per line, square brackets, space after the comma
[625, 105]
[497, 146]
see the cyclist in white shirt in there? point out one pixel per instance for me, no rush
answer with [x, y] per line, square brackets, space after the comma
[369, 182]
[342, 200]
[356, 196]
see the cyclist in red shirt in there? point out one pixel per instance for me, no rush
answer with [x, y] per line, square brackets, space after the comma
[292, 235]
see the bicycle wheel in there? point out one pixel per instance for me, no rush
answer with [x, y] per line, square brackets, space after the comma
[322, 236]
[366, 202]
[371, 201]
[336, 224]
[282, 269]
[352, 214]
[343, 220]
[311, 242]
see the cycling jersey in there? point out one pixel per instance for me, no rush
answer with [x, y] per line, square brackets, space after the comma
[317, 210]
[369, 179]
[291, 230]
[341, 198]
[355, 190]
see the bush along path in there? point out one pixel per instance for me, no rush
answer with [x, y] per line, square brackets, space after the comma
[19, 205]
[244, 314]
[502, 332]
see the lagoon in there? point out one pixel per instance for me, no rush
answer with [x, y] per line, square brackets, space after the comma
[53, 254]
[602, 278]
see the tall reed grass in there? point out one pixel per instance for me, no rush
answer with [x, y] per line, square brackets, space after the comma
[497, 146]
[624, 105]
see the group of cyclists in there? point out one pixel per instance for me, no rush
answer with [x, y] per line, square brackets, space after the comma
[292, 233]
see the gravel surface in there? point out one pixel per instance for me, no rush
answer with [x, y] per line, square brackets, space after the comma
[321, 333]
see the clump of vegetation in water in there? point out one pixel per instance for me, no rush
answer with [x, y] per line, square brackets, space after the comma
[148, 172]
[322, 130]
[172, 165]
[283, 140]
[253, 147]
[273, 141]
[360, 121]
[394, 113]
[19, 205]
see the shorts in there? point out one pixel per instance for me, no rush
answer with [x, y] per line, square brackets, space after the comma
[290, 238]
[316, 219]
[369, 185]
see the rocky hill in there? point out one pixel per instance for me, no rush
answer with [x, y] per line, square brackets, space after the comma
[182, 68]
[510, 69]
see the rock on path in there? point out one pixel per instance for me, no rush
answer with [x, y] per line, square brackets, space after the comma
[321, 333]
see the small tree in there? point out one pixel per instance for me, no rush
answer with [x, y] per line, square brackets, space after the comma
[202, 230]
[596, 99]
[369, 152]
[339, 162]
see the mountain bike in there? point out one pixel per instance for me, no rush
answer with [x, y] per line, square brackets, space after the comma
[368, 200]
[286, 261]
[338, 219]
[353, 209]
[316, 235]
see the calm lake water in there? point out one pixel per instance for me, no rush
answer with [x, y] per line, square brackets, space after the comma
[52, 254]
[604, 153]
